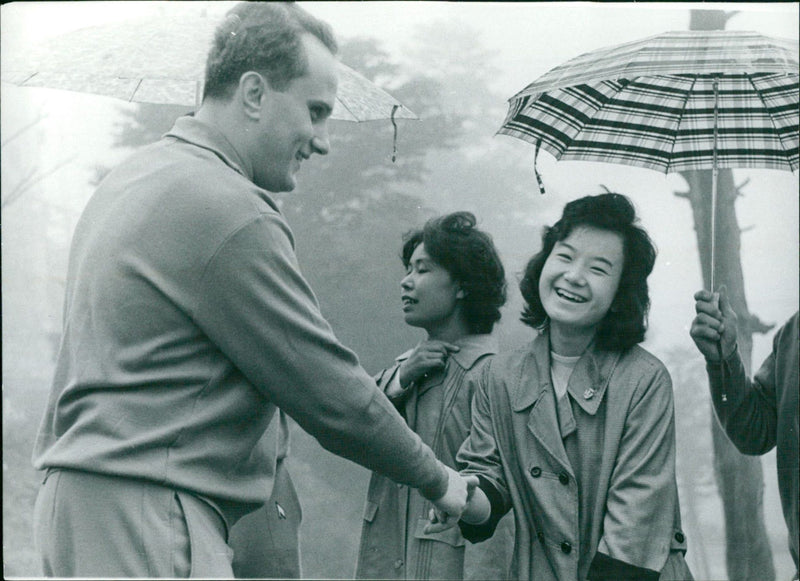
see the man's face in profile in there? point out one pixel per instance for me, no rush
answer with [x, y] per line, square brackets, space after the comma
[294, 122]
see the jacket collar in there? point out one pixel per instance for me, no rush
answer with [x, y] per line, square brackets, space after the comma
[189, 129]
[587, 384]
[472, 348]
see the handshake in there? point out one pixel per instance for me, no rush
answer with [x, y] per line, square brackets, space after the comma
[463, 500]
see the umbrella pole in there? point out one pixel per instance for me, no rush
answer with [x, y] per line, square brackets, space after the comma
[714, 172]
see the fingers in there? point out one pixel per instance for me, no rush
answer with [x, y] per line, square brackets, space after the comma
[438, 522]
[432, 528]
[451, 348]
[472, 482]
[703, 295]
[714, 328]
[707, 303]
[429, 356]
[442, 347]
[454, 499]
[724, 303]
[704, 323]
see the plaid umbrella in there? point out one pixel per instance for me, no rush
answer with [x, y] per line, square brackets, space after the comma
[673, 102]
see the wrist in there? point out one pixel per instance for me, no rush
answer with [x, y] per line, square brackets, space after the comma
[728, 352]
[478, 509]
[476, 515]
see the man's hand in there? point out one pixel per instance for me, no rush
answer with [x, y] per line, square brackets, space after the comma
[714, 328]
[448, 508]
[428, 357]
[477, 506]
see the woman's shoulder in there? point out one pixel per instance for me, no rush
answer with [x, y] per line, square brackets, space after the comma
[645, 372]
[509, 358]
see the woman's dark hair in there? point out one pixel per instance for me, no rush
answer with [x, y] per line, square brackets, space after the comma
[471, 259]
[626, 321]
[265, 37]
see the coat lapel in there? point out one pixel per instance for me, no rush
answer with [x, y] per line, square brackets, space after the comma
[589, 380]
[534, 391]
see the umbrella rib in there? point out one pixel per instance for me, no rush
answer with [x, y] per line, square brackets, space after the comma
[771, 119]
[678, 124]
[136, 88]
[28, 78]
[342, 103]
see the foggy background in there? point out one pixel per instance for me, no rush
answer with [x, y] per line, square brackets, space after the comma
[455, 65]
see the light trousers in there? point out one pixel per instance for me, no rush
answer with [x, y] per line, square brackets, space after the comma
[93, 525]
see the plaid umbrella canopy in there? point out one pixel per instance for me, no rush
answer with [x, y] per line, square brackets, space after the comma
[677, 101]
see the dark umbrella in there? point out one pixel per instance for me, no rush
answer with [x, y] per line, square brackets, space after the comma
[673, 102]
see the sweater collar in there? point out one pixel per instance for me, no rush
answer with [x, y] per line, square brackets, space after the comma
[189, 129]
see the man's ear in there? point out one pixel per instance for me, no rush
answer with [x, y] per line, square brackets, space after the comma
[252, 87]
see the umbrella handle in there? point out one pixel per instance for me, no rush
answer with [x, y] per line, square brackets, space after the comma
[394, 140]
[536, 169]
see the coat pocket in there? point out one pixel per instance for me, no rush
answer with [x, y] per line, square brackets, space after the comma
[451, 536]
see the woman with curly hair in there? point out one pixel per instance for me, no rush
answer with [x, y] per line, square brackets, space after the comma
[575, 431]
[453, 289]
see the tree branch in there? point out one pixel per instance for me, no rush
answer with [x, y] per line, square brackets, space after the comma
[28, 183]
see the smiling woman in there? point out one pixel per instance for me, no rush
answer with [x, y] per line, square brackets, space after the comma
[541, 411]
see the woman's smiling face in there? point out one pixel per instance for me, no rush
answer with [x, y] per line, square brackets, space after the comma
[580, 278]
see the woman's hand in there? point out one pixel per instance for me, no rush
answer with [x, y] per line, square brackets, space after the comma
[477, 510]
[428, 357]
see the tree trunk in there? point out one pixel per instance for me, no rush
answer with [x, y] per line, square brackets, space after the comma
[740, 479]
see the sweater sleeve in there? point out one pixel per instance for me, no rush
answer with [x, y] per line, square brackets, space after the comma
[605, 568]
[749, 411]
[258, 309]
[479, 455]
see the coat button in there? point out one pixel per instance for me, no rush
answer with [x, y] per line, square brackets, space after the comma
[540, 536]
[536, 472]
[398, 564]
[563, 478]
[679, 537]
[566, 548]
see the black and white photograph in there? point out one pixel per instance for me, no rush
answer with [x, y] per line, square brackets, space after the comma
[400, 290]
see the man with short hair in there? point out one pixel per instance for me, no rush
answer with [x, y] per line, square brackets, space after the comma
[187, 323]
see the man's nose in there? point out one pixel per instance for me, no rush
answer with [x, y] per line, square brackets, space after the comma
[406, 283]
[320, 143]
